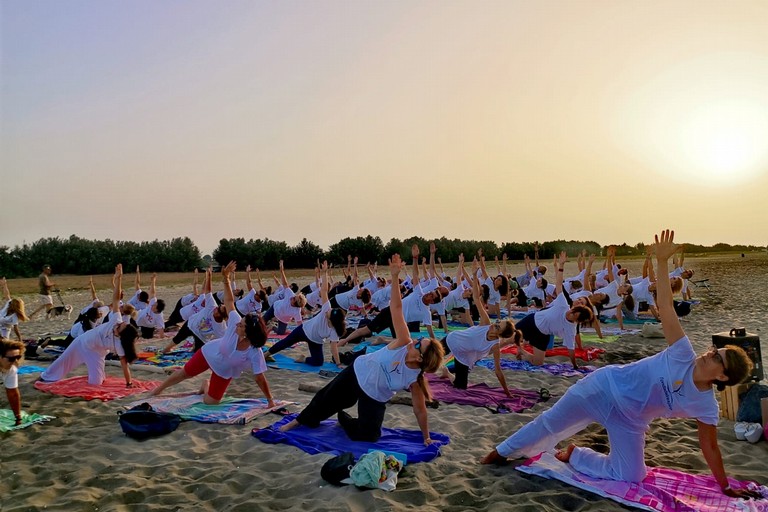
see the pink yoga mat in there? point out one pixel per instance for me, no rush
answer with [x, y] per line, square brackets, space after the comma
[112, 388]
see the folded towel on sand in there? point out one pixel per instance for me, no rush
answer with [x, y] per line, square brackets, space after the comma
[482, 395]
[559, 369]
[330, 437]
[24, 370]
[661, 490]
[112, 388]
[286, 363]
[585, 354]
[231, 411]
[8, 420]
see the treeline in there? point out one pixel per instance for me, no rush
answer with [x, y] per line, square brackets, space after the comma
[78, 256]
[266, 253]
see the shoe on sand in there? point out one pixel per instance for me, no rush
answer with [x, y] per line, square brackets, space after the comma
[754, 432]
[268, 358]
[740, 429]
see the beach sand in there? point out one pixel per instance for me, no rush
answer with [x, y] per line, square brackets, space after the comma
[82, 461]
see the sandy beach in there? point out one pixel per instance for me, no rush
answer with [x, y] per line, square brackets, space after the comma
[82, 461]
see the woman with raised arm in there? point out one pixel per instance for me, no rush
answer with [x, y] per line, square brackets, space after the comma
[561, 318]
[150, 319]
[473, 344]
[11, 313]
[175, 317]
[228, 356]
[373, 379]
[327, 325]
[674, 383]
[91, 348]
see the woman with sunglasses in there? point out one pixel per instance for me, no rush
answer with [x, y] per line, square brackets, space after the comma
[626, 398]
[373, 379]
[10, 355]
[91, 348]
[228, 356]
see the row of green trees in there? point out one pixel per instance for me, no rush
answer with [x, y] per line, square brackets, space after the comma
[76, 255]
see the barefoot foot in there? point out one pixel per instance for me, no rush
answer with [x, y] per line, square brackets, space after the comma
[565, 455]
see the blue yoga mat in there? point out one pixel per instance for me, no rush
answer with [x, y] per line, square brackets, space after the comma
[329, 437]
[286, 363]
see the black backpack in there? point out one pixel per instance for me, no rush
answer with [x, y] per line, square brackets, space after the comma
[337, 469]
[142, 422]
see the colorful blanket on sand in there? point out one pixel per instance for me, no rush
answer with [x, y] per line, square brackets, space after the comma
[231, 411]
[661, 490]
[482, 395]
[8, 420]
[561, 370]
[329, 437]
[112, 388]
[585, 354]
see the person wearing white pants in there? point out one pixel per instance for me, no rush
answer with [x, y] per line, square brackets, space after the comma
[674, 383]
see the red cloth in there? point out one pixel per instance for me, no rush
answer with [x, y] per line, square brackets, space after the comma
[112, 388]
[585, 354]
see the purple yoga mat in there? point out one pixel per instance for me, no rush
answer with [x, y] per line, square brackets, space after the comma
[482, 395]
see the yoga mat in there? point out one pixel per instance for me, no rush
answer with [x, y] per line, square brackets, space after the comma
[286, 363]
[8, 420]
[25, 370]
[329, 437]
[112, 388]
[482, 395]
[662, 489]
[559, 369]
[231, 411]
[585, 354]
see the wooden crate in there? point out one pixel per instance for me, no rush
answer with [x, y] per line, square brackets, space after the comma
[729, 400]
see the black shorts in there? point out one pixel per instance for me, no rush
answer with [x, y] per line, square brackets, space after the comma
[532, 334]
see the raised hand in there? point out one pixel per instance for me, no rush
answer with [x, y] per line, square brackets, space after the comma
[227, 271]
[395, 264]
[665, 245]
[414, 251]
[562, 259]
[432, 248]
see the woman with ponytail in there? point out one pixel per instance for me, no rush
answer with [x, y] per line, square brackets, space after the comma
[373, 379]
[473, 344]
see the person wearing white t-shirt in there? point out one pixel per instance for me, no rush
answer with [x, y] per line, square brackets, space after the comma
[207, 324]
[471, 345]
[327, 325]
[558, 319]
[151, 318]
[228, 356]
[11, 352]
[11, 313]
[175, 317]
[624, 399]
[498, 287]
[373, 379]
[415, 309]
[91, 347]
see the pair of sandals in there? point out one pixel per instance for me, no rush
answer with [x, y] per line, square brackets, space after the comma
[544, 395]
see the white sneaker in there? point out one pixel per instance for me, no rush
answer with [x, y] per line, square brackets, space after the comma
[740, 429]
[754, 432]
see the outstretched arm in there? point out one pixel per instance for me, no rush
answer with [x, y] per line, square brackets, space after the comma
[402, 336]
[117, 279]
[711, 451]
[477, 296]
[92, 288]
[194, 284]
[248, 281]
[226, 277]
[282, 275]
[6, 292]
[137, 281]
[482, 265]
[560, 270]
[665, 247]
[432, 252]
[415, 256]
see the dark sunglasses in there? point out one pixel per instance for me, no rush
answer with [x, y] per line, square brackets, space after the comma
[13, 359]
[717, 356]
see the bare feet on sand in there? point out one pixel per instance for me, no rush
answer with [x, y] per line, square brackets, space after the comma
[288, 426]
[494, 458]
[565, 455]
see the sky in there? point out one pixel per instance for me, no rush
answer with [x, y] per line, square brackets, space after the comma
[506, 121]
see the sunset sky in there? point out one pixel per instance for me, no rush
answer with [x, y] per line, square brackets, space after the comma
[505, 121]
